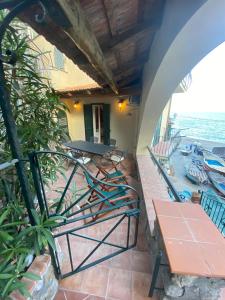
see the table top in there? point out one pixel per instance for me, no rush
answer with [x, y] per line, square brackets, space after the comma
[194, 246]
[89, 147]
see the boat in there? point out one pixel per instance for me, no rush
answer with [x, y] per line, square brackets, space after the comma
[196, 173]
[220, 151]
[218, 181]
[213, 162]
[185, 195]
[185, 152]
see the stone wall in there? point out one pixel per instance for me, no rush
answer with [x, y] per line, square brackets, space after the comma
[46, 287]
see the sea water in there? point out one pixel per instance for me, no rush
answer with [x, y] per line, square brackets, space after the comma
[208, 126]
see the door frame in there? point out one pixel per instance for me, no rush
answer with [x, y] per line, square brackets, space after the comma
[94, 106]
[106, 121]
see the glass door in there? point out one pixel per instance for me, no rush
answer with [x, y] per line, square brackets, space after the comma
[98, 129]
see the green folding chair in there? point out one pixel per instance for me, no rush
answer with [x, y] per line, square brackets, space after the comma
[106, 196]
[108, 172]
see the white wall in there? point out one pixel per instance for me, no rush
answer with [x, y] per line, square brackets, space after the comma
[198, 35]
[165, 118]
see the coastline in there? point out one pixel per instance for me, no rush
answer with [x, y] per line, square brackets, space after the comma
[205, 143]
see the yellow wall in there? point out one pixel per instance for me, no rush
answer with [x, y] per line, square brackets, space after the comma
[70, 76]
[123, 123]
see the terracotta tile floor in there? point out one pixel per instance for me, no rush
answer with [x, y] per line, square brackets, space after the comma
[125, 276]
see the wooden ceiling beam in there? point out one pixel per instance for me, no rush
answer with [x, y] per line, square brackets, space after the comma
[80, 32]
[61, 40]
[133, 79]
[107, 17]
[123, 92]
[111, 12]
[136, 63]
[125, 36]
[109, 46]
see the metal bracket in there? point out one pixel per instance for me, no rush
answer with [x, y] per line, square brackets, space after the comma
[155, 273]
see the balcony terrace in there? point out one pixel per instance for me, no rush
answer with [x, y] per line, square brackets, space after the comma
[126, 276]
[108, 237]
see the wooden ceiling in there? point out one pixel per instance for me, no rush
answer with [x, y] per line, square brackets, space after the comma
[123, 30]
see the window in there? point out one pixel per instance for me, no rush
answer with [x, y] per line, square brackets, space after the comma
[59, 59]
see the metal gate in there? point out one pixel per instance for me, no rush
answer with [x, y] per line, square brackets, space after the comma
[100, 203]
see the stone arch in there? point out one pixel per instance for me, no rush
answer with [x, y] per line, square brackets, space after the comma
[202, 33]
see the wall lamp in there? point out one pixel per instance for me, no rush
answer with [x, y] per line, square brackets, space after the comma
[120, 104]
[76, 104]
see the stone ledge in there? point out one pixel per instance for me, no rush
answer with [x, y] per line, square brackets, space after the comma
[184, 287]
[42, 289]
[153, 187]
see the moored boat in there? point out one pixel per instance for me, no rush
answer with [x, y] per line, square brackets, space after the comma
[218, 181]
[185, 195]
[220, 151]
[214, 163]
[196, 173]
[185, 152]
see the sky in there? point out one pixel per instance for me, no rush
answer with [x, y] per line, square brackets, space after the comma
[207, 91]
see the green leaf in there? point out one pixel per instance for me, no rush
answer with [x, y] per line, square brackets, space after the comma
[49, 239]
[4, 236]
[26, 231]
[13, 224]
[31, 276]
[36, 217]
[4, 216]
[52, 220]
[23, 290]
[5, 276]
[7, 287]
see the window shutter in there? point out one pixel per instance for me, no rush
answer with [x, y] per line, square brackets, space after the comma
[88, 121]
[106, 123]
[59, 59]
[64, 125]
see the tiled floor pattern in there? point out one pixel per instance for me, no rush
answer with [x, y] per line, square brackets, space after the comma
[125, 276]
[188, 232]
[104, 283]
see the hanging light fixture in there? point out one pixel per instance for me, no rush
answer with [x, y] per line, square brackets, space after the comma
[120, 104]
[76, 104]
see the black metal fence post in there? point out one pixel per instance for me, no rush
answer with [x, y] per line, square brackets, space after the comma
[167, 180]
[14, 143]
[6, 106]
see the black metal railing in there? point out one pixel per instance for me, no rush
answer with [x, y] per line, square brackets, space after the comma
[171, 189]
[89, 208]
[214, 206]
